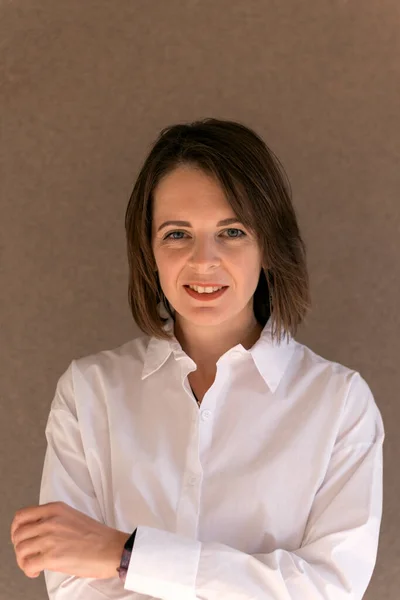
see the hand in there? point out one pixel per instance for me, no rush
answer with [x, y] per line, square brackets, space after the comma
[57, 537]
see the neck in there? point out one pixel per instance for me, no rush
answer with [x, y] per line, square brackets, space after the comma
[205, 345]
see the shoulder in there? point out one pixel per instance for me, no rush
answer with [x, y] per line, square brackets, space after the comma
[309, 361]
[333, 383]
[326, 378]
[104, 370]
[131, 350]
[125, 359]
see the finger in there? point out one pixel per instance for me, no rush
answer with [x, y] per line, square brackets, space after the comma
[25, 515]
[20, 529]
[27, 548]
[28, 531]
[24, 557]
[32, 565]
[32, 514]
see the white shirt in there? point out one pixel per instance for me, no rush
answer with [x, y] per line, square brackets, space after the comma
[272, 489]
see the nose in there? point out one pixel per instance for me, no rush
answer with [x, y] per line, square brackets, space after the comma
[204, 254]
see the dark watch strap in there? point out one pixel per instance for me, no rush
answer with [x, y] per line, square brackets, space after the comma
[126, 556]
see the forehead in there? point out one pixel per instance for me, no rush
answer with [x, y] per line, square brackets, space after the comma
[187, 190]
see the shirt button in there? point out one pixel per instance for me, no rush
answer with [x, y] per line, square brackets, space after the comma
[192, 480]
[205, 415]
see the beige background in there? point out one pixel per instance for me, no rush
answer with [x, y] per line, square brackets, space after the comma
[85, 88]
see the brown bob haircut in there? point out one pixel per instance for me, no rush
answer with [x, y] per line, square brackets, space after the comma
[259, 192]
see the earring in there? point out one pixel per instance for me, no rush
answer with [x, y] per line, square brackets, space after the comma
[269, 287]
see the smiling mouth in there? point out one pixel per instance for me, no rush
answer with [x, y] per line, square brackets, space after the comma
[205, 286]
[206, 295]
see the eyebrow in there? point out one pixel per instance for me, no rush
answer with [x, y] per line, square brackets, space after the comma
[229, 221]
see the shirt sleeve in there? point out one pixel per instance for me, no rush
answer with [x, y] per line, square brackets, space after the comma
[338, 552]
[66, 478]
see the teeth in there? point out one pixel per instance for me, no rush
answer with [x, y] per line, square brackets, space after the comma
[204, 290]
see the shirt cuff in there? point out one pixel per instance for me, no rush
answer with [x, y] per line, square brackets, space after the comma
[163, 564]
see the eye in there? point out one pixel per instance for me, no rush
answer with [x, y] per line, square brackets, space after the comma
[168, 236]
[234, 229]
[172, 233]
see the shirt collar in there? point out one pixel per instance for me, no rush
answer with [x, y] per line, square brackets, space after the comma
[270, 357]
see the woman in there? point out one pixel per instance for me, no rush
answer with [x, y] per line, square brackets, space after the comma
[214, 456]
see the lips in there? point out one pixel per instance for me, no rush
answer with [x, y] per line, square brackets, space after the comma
[206, 284]
[206, 296]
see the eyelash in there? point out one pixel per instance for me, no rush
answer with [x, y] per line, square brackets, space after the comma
[229, 229]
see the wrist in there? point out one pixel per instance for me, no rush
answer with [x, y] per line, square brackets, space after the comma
[125, 558]
[121, 538]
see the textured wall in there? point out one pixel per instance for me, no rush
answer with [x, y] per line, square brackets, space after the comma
[85, 88]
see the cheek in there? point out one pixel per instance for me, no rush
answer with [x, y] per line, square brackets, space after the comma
[169, 269]
[248, 260]
[252, 270]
